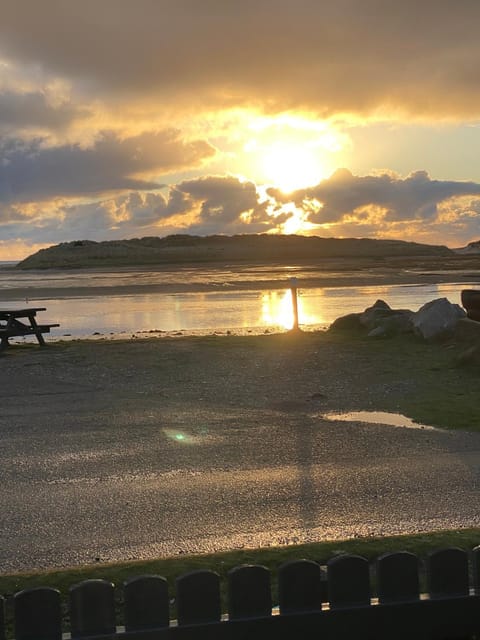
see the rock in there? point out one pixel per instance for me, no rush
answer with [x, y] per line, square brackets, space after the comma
[378, 332]
[379, 320]
[350, 322]
[384, 322]
[467, 330]
[392, 325]
[471, 302]
[437, 319]
[369, 316]
[468, 357]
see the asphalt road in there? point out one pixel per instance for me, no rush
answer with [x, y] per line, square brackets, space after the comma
[90, 474]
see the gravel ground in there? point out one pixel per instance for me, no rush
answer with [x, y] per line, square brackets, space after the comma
[121, 450]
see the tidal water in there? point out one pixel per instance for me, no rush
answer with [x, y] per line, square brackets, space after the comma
[110, 303]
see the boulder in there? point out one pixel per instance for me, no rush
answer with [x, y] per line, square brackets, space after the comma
[469, 357]
[392, 325]
[381, 315]
[467, 330]
[437, 319]
[471, 302]
[379, 309]
[382, 321]
[350, 322]
[379, 321]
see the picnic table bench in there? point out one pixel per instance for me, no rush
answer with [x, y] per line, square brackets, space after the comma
[22, 322]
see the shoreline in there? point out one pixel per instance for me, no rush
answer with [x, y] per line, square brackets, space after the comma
[345, 280]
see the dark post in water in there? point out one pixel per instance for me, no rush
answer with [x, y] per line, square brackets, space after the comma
[293, 289]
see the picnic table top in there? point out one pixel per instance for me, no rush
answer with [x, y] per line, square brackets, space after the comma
[21, 313]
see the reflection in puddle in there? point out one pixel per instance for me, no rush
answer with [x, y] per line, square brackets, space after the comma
[378, 417]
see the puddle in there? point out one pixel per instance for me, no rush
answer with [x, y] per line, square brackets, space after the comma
[378, 417]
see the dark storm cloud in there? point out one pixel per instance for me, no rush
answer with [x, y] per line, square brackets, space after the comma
[417, 57]
[32, 110]
[29, 171]
[415, 197]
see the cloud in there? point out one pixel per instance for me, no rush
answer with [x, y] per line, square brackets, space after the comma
[225, 204]
[30, 171]
[213, 204]
[33, 111]
[345, 195]
[418, 58]
[353, 206]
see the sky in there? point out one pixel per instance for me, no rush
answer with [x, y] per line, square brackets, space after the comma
[338, 118]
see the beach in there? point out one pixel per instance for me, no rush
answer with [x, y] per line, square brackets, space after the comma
[240, 298]
[169, 279]
[147, 448]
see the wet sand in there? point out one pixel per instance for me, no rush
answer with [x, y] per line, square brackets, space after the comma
[327, 273]
[353, 280]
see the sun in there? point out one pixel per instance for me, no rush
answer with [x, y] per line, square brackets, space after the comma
[290, 152]
[291, 166]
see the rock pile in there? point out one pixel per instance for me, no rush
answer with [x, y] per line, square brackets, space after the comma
[435, 320]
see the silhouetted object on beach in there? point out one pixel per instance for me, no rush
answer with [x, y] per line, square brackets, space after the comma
[471, 303]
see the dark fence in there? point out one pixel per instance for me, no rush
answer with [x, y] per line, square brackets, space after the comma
[398, 596]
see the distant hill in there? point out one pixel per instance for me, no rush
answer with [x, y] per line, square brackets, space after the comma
[262, 248]
[472, 248]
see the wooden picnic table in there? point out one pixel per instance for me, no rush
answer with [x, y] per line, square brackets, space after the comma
[22, 322]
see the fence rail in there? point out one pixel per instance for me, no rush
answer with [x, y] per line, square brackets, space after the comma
[396, 597]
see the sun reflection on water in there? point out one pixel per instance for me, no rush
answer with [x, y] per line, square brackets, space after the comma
[277, 310]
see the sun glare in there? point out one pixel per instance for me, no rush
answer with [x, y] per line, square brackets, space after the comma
[290, 152]
[290, 166]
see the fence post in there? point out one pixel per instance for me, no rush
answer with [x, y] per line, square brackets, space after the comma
[146, 603]
[476, 569]
[348, 582]
[397, 577]
[2, 618]
[294, 292]
[447, 573]
[92, 608]
[198, 598]
[37, 614]
[249, 592]
[300, 587]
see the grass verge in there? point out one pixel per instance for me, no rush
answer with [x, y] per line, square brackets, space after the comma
[272, 557]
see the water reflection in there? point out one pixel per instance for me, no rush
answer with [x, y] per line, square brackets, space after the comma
[277, 309]
[378, 417]
[239, 311]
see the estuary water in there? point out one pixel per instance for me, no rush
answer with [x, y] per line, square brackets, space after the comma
[110, 303]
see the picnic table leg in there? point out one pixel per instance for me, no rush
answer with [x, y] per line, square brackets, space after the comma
[36, 330]
[3, 342]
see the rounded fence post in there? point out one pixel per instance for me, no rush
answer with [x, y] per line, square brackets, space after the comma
[348, 581]
[249, 592]
[2, 618]
[92, 608]
[447, 573]
[398, 577]
[198, 598]
[146, 603]
[38, 614]
[476, 569]
[300, 587]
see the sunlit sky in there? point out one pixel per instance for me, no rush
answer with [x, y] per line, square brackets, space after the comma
[345, 118]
